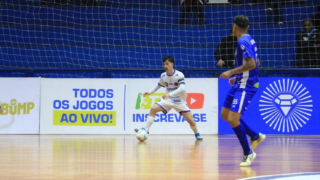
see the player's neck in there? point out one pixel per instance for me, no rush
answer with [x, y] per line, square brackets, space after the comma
[240, 34]
[170, 72]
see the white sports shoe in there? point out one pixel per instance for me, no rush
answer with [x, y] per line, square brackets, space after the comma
[255, 143]
[136, 130]
[248, 159]
[269, 10]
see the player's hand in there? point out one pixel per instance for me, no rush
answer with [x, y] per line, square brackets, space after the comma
[231, 81]
[225, 75]
[166, 96]
[145, 94]
[220, 63]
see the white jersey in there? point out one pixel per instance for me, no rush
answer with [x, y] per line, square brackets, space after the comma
[172, 83]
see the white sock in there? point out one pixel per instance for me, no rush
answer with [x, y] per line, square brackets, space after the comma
[150, 120]
[194, 129]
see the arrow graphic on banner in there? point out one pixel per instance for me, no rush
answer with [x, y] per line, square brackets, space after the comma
[195, 100]
[192, 101]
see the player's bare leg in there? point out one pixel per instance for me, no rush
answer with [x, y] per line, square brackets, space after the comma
[193, 125]
[225, 113]
[233, 119]
[255, 141]
[150, 119]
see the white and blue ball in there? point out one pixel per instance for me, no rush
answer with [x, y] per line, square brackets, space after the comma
[142, 135]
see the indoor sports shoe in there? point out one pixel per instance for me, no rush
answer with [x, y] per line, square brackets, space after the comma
[248, 159]
[198, 136]
[136, 130]
[269, 10]
[255, 143]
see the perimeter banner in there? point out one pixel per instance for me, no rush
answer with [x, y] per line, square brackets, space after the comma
[82, 106]
[286, 106]
[20, 103]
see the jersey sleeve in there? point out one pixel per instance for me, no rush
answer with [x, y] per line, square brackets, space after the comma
[247, 49]
[161, 82]
[181, 79]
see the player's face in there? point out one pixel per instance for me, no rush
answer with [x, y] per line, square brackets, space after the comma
[168, 66]
[308, 26]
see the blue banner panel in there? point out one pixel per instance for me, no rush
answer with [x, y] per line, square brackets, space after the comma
[285, 106]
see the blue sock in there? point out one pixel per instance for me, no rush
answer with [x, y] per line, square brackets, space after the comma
[253, 135]
[242, 136]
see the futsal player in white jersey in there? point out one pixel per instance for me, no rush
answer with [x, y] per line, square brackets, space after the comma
[244, 86]
[175, 96]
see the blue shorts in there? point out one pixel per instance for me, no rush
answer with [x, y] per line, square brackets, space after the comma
[238, 100]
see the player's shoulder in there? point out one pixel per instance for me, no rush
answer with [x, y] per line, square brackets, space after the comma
[179, 73]
[164, 74]
[246, 40]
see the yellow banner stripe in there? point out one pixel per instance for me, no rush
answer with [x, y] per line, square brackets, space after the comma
[84, 118]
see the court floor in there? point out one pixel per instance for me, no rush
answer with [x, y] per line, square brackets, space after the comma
[84, 157]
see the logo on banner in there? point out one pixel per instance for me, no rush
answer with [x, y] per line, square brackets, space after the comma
[148, 101]
[286, 105]
[194, 100]
[17, 108]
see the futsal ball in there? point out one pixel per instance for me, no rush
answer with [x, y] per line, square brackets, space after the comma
[142, 135]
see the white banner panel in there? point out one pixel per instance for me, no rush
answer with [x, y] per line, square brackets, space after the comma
[82, 106]
[115, 106]
[20, 98]
[202, 100]
[217, 1]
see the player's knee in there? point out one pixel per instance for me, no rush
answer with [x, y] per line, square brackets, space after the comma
[233, 123]
[224, 116]
[154, 110]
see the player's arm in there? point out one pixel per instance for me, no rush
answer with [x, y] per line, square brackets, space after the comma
[231, 81]
[258, 60]
[248, 64]
[154, 89]
[181, 88]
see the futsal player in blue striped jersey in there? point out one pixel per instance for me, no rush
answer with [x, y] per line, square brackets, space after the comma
[244, 86]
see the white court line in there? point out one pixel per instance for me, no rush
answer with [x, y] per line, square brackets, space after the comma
[282, 176]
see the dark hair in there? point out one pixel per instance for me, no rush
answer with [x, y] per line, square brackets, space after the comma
[309, 20]
[230, 31]
[168, 58]
[241, 21]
